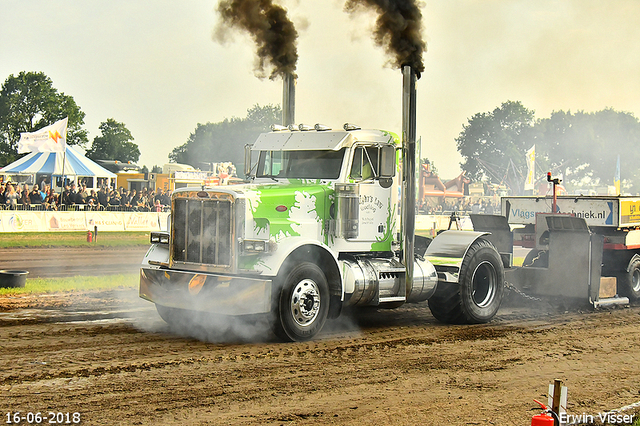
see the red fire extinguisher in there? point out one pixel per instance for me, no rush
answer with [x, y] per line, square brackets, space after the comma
[89, 236]
[543, 419]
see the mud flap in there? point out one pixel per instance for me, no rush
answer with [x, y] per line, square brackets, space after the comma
[574, 266]
[447, 251]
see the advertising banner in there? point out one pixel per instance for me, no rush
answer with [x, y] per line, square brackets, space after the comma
[22, 221]
[596, 211]
[105, 221]
[65, 221]
[138, 221]
[43, 221]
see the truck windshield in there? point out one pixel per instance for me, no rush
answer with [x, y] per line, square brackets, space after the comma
[300, 164]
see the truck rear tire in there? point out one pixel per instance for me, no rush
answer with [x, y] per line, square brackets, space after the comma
[477, 296]
[629, 282]
[302, 303]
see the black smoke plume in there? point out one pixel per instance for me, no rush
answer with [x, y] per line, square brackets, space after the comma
[271, 29]
[398, 29]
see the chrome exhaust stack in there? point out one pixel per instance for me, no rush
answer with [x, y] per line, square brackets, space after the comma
[409, 172]
[288, 99]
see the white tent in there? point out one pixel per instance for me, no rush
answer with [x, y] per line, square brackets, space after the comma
[37, 166]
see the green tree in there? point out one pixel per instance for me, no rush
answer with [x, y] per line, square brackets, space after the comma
[493, 145]
[584, 146]
[114, 143]
[225, 140]
[29, 102]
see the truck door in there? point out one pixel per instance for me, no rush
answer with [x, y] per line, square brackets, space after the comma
[376, 211]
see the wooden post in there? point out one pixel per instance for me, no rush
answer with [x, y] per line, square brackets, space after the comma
[557, 388]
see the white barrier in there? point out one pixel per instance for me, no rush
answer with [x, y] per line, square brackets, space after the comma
[43, 221]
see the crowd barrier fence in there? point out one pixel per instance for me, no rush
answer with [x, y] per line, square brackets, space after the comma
[47, 221]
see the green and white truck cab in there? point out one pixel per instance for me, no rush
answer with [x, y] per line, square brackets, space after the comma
[318, 227]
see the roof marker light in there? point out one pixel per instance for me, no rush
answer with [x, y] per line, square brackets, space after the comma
[304, 127]
[349, 126]
[321, 127]
[278, 128]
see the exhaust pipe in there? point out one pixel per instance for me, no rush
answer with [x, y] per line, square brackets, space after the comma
[408, 171]
[288, 99]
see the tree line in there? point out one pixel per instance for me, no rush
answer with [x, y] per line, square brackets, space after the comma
[582, 147]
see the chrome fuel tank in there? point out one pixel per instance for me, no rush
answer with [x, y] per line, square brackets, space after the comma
[374, 281]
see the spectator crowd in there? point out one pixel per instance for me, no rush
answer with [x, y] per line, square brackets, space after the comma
[43, 197]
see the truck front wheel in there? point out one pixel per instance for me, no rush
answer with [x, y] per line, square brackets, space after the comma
[477, 296]
[302, 304]
[629, 282]
[169, 315]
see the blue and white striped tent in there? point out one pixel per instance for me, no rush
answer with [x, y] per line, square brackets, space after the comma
[50, 163]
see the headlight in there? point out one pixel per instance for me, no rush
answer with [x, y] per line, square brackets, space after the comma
[255, 246]
[159, 238]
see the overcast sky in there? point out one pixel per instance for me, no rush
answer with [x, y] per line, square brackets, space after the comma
[154, 65]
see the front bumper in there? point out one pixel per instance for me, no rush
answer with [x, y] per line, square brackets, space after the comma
[213, 293]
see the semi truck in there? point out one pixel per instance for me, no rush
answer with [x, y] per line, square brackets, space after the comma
[325, 222]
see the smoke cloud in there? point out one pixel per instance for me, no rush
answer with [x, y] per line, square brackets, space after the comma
[272, 31]
[398, 29]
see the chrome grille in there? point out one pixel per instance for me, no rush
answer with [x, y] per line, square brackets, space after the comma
[202, 231]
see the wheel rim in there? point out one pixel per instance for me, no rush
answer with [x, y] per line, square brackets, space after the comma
[635, 280]
[485, 284]
[305, 302]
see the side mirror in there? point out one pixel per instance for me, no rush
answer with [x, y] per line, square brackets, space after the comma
[387, 161]
[247, 160]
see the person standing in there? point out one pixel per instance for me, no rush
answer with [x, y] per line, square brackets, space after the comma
[92, 201]
[103, 198]
[136, 201]
[80, 197]
[50, 200]
[125, 200]
[35, 199]
[114, 200]
[3, 199]
[67, 198]
[24, 197]
[12, 197]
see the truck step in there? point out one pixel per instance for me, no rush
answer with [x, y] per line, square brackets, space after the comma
[392, 299]
[610, 301]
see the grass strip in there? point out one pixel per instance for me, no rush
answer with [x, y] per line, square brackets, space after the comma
[72, 239]
[78, 283]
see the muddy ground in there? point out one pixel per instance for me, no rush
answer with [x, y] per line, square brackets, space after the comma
[71, 261]
[109, 357]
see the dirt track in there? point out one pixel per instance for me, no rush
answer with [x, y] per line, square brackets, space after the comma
[109, 357]
[72, 261]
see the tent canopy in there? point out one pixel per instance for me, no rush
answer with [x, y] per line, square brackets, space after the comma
[50, 163]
